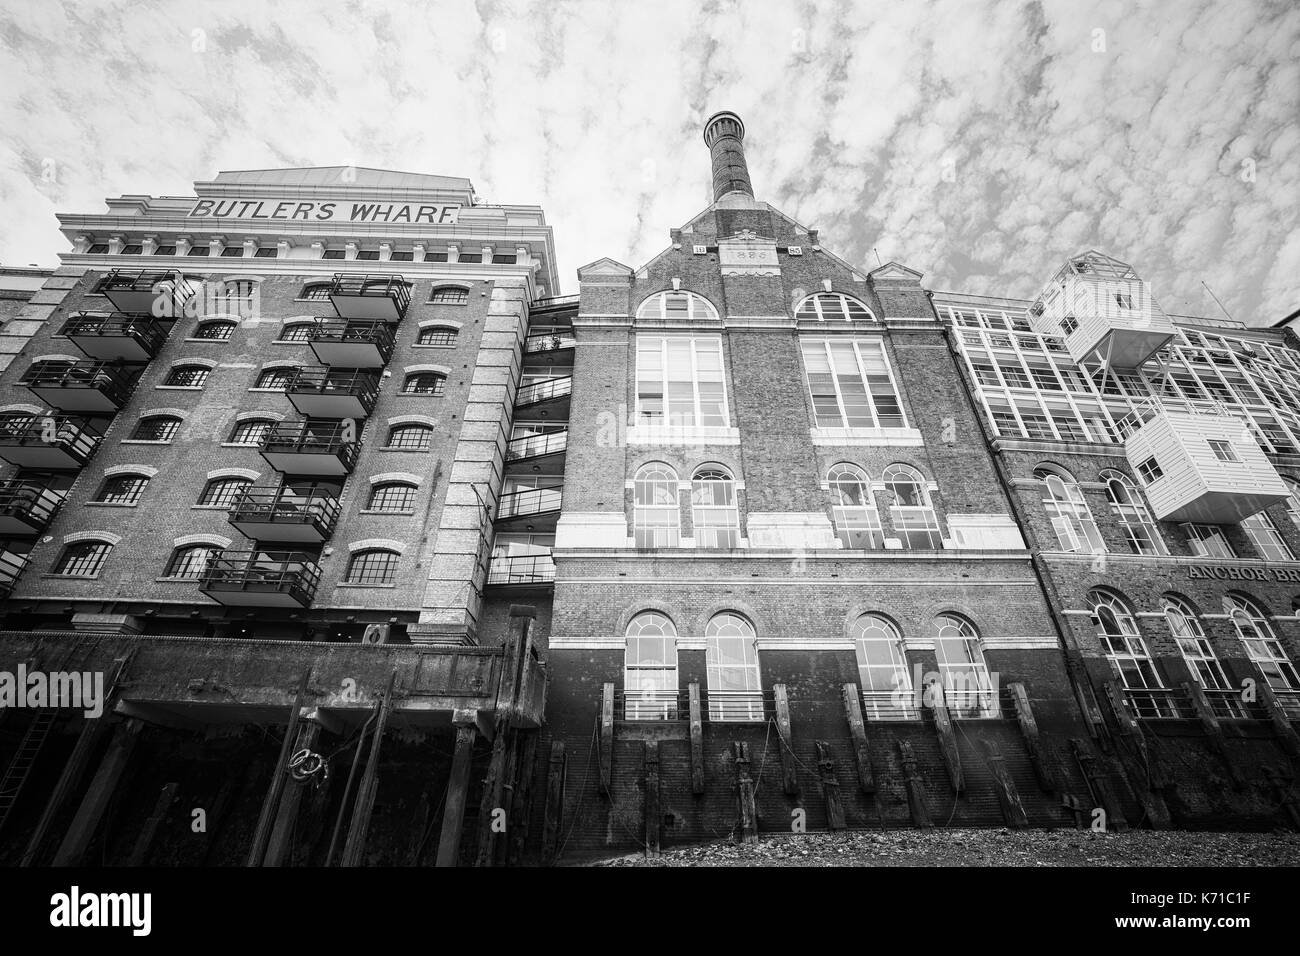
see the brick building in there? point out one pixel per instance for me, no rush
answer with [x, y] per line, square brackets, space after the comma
[745, 538]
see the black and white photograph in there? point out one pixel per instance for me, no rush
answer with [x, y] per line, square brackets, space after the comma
[552, 439]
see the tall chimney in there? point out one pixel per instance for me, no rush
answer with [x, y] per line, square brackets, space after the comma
[724, 134]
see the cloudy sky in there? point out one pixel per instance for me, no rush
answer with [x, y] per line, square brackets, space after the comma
[978, 142]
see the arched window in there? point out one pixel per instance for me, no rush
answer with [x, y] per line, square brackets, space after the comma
[680, 305]
[223, 492]
[190, 561]
[449, 295]
[967, 686]
[296, 332]
[277, 378]
[655, 513]
[251, 431]
[156, 428]
[1127, 505]
[1199, 655]
[1128, 655]
[650, 668]
[424, 383]
[216, 331]
[392, 496]
[1266, 538]
[1068, 511]
[857, 523]
[834, 306]
[373, 566]
[188, 376]
[1261, 643]
[411, 437]
[437, 335]
[915, 521]
[882, 669]
[731, 664]
[83, 559]
[315, 291]
[122, 489]
[713, 508]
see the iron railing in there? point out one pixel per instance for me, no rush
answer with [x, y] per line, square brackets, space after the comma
[554, 301]
[72, 433]
[1159, 703]
[392, 287]
[113, 381]
[545, 390]
[284, 572]
[549, 342]
[11, 568]
[716, 706]
[169, 290]
[890, 705]
[522, 569]
[29, 501]
[533, 446]
[312, 438]
[285, 506]
[532, 502]
[354, 332]
[147, 332]
[327, 380]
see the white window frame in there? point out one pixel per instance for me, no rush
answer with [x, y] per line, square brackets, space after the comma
[715, 524]
[1128, 655]
[841, 299]
[650, 684]
[1268, 541]
[728, 629]
[852, 521]
[665, 418]
[663, 533]
[1262, 644]
[1069, 514]
[887, 692]
[857, 344]
[965, 678]
[1133, 514]
[1200, 536]
[655, 307]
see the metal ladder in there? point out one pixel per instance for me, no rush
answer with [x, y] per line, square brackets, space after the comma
[38, 731]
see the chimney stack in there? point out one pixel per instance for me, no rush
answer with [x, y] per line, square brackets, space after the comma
[724, 134]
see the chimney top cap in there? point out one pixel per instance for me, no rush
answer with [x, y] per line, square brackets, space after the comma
[711, 126]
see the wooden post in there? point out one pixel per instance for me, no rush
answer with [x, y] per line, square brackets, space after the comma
[272, 800]
[554, 816]
[98, 795]
[521, 800]
[697, 738]
[150, 828]
[1099, 786]
[1013, 811]
[789, 779]
[653, 812]
[915, 789]
[606, 737]
[453, 814]
[1213, 730]
[1124, 718]
[490, 804]
[947, 741]
[830, 786]
[354, 847]
[747, 825]
[286, 815]
[858, 731]
[1038, 758]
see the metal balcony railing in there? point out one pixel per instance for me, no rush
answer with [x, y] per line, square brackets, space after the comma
[553, 302]
[1159, 703]
[32, 503]
[532, 502]
[549, 342]
[360, 285]
[70, 434]
[146, 332]
[311, 438]
[290, 573]
[285, 506]
[330, 331]
[111, 381]
[1289, 701]
[716, 706]
[543, 391]
[11, 568]
[326, 381]
[522, 569]
[1229, 705]
[533, 446]
[889, 705]
[161, 294]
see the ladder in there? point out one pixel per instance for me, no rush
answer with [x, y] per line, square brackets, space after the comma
[38, 731]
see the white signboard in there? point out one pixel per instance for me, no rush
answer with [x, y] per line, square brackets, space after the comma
[287, 210]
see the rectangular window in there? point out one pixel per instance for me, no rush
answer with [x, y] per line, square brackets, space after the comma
[471, 257]
[198, 251]
[435, 257]
[1069, 324]
[233, 252]
[1150, 471]
[680, 381]
[266, 252]
[1208, 541]
[1223, 450]
[1013, 373]
[333, 254]
[851, 384]
[402, 257]
[1265, 537]
[1123, 301]
[369, 255]
[504, 260]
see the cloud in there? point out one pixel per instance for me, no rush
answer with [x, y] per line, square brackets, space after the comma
[979, 142]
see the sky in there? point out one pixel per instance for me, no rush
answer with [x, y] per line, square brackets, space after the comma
[978, 142]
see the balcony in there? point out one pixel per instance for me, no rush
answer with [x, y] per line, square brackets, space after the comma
[716, 706]
[544, 399]
[352, 344]
[537, 449]
[115, 336]
[139, 292]
[549, 342]
[1159, 703]
[12, 564]
[261, 578]
[535, 510]
[318, 391]
[48, 442]
[380, 298]
[282, 515]
[26, 508]
[316, 449]
[553, 303]
[80, 386]
[522, 570]
[1202, 465]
